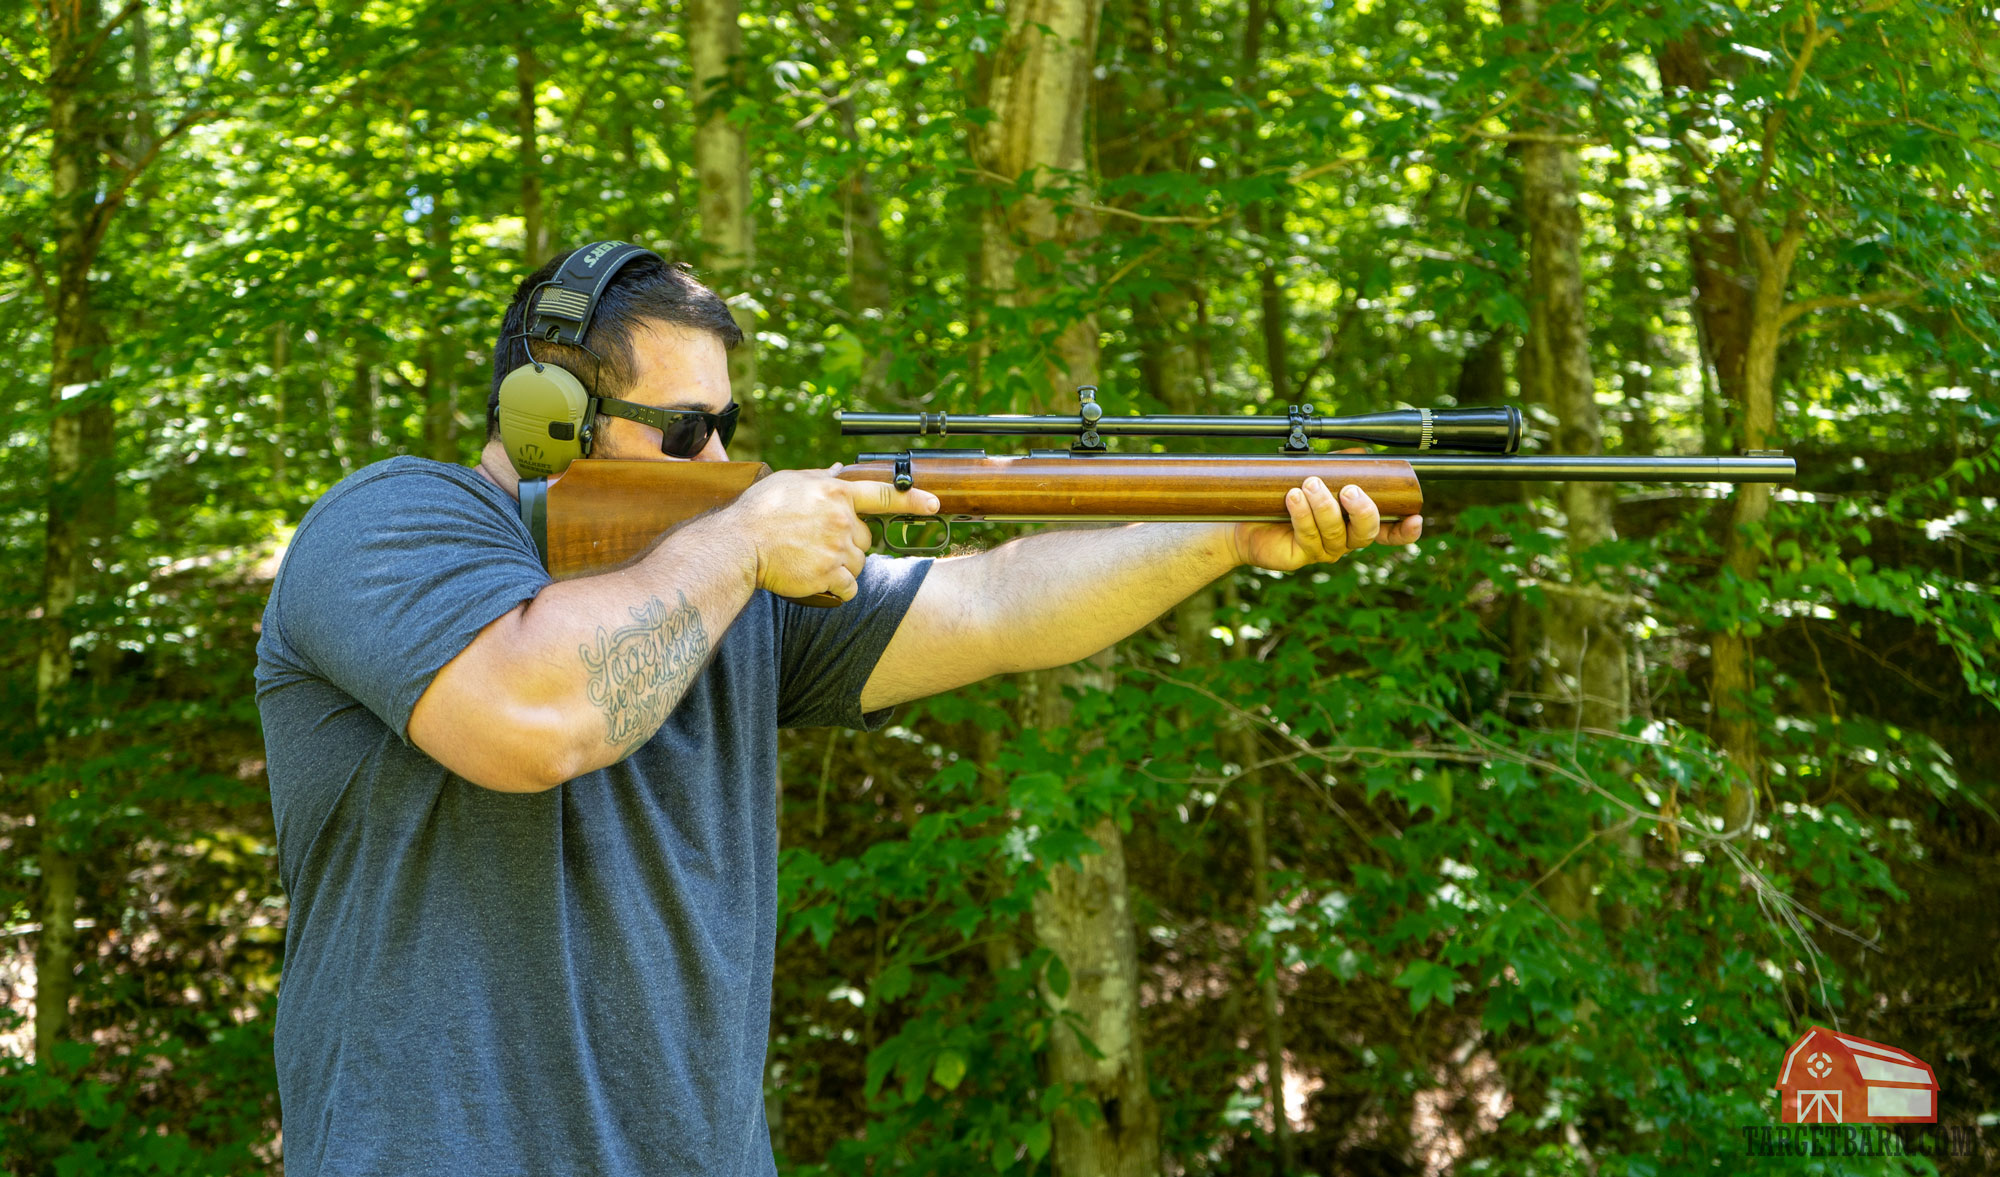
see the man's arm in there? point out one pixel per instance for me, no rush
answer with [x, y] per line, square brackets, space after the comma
[1048, 600]
[584, 674]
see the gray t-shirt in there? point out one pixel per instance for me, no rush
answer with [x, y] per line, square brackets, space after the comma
[575, 981]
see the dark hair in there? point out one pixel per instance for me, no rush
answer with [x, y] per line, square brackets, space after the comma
[647, 290]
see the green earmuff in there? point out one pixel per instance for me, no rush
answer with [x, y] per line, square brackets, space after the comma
[546, 414]
[545, 419]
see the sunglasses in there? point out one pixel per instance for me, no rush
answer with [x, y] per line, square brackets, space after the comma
[683, 432]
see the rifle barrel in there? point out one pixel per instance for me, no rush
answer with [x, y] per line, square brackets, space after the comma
[1573, 468]
[1751, 467]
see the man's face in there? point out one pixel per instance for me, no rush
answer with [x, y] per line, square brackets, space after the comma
[675, 368]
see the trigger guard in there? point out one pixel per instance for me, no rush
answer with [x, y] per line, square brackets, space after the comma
[906, 520]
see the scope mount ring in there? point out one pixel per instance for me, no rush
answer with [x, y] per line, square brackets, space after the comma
[1300, 416]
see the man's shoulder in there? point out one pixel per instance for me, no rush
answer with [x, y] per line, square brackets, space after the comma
[403, 511]
[409, 480]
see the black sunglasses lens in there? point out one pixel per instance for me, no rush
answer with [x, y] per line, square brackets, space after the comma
[725, 425]
[685, 436]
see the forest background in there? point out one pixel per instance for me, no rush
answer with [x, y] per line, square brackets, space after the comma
[1527, 850]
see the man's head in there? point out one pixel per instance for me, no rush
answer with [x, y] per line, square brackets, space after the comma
[660, 339]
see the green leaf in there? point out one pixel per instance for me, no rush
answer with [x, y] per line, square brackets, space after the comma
[1427, 981]
[1036, 1138]
[1058, 977]
[894, 982]
[949, 1069]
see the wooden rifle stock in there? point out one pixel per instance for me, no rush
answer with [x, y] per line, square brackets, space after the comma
[600, 513]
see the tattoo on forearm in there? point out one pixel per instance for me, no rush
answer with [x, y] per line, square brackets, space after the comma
[638, 672]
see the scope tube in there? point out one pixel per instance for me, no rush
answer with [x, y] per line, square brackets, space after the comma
[1495, 430]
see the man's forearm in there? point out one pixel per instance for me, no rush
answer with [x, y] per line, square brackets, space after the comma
[1043, 600]
[1120, 579]
[1053, 598]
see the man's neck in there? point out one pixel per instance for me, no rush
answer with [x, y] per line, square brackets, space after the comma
[497, 468]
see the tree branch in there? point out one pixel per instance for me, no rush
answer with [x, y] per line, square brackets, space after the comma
[1767, 148]
[83, 59]
[36, 273]
[1321, 169]
[102, 214]
[1541, 137]
[1112, 210]
[1789, 240]
[1807, 306]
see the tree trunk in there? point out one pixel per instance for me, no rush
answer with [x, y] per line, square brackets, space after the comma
[722, 183]
[281, 396]
[1587, 639]
[870, 287]
[363, 437]
[1723, 277]
[1638, 349]
[440, 415]
[1258, 829]
[1084, 919]
[1039, 95]
[1264, 220]
[534, 234]
[78, 481]
[1740, 283]
[1733, 660]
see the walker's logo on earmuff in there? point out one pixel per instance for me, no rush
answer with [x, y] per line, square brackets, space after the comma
[531, 453]
[592, 258]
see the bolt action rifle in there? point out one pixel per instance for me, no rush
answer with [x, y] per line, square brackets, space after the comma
[600, 512]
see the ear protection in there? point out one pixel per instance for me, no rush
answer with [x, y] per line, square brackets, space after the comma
[546, 415]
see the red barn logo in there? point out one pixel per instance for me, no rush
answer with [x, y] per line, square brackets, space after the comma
[1831, 1078]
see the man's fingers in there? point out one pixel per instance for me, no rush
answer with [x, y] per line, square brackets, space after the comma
[1327, 522]
[862, 536]
[1305, 532]
[844, 585]
[1408, 530]
[1364, 520]
[880, 498]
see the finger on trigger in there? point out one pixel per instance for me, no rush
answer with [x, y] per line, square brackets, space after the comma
[1364, 519]
[918, 502]
[881, 498]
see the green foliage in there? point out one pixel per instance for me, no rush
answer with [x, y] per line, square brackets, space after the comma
[1501, 943]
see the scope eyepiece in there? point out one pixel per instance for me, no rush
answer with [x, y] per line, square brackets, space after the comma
[1495, 430]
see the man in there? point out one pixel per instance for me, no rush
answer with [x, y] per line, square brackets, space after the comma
[529, 830]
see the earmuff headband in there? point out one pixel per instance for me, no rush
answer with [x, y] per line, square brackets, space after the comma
[561, 308]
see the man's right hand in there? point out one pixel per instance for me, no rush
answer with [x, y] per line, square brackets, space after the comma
[806, 529]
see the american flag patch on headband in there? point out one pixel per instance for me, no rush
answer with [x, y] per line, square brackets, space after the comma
[569, 304]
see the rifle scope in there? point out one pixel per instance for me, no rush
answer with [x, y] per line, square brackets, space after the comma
[1495, 430]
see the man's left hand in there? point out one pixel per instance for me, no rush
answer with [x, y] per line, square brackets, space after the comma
[1324, 527]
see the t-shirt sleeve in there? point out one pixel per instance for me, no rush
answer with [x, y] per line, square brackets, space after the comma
[390, 581]
[826, 655]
